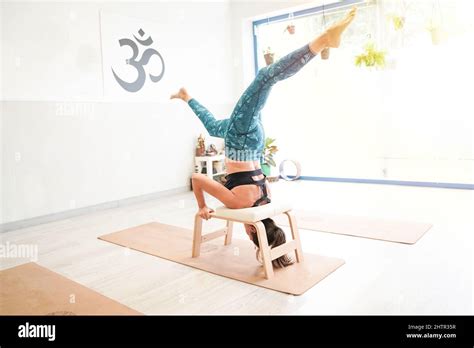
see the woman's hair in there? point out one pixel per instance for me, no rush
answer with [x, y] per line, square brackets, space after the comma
[276, 237]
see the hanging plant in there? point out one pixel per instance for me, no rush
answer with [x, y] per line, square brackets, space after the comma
[435, 23]
[269, 56]
[397, 21]
[325, 51]
[371, 57]
[435, 35]
[291, 29]
[435, 31]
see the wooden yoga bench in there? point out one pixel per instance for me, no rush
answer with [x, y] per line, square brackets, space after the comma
[252, 216]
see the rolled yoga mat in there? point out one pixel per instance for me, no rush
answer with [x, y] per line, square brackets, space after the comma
[236, 261]
[30, 289]
[382, 229]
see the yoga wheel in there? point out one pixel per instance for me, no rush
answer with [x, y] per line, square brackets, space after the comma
[297, 166]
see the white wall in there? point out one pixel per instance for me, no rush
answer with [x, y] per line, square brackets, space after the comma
[1, 117]
[78, 150]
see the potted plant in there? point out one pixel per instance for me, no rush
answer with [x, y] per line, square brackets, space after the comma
[371, 57]
[269, 56]
[268, 152]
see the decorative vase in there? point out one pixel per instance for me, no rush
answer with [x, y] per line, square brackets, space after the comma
[325, 53]
[200, 151]
[266, 169]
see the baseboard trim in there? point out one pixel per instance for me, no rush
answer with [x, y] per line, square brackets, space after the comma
[38, 220]
[446, 185]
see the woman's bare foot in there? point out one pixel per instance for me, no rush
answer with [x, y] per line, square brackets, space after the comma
[333, 34]
[182, 94]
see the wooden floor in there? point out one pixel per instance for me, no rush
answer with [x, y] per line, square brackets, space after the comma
[433, 276]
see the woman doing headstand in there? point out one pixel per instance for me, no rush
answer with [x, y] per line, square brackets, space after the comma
[244, 137]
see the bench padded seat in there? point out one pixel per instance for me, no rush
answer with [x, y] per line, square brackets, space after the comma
[253, 214]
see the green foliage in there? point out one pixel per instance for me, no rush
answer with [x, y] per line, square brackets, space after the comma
[398, 22]
[268, 151]
[371, 57]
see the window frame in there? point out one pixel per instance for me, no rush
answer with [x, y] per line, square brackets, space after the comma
[328, 8]
[331, 7]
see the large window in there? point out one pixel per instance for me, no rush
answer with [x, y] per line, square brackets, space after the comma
[410, 120]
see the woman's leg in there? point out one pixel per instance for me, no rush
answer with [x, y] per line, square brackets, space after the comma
[245, 132]
[245, 136]
[216, 128]
[332, 36]
[293, 62]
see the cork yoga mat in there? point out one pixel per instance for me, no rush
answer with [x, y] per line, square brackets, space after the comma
[236, 261]
[382, 229]
[30, 289]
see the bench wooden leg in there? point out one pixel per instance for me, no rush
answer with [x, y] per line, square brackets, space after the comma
[296, 236]
[228, 236]
[263, 243]
[197, 236]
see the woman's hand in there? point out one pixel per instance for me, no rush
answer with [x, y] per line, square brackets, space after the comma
[205, 213]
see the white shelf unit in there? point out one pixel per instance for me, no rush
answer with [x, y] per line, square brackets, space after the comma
[209, 160]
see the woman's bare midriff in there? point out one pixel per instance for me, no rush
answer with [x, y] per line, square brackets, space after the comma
[248, 194]
[238, 166]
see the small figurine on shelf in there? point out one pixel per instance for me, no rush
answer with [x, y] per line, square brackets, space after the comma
[211, 150]
[201, 146]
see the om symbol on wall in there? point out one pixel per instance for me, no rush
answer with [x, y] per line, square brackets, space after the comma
[140, 64]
